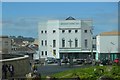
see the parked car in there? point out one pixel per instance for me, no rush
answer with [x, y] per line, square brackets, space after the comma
[116, 61]
[65, 60]
[105, 62]
[50, 60]
[36, 61]
[88, 61]
[79, 61]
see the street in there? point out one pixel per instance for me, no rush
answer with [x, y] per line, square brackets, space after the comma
[49, 69]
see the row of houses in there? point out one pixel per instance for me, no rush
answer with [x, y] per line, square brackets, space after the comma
[18, 46]
[75, 38]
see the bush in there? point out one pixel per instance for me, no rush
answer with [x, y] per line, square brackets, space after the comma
[115, 71]
[106, 78]
[116, 77]
[88, 77]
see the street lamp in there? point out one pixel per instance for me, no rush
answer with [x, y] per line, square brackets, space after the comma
[91, 44]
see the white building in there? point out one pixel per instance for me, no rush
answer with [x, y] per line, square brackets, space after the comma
[107, 45]
[65, 38]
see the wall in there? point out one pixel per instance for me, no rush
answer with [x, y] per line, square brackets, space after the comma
[5, 42]
[53, 25]
[42, 36]
[107, 44]
[21, 65]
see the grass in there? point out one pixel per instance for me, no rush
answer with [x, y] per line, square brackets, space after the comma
[91, 73]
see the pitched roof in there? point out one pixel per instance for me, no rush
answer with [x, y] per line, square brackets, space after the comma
[70, 18]
[26, 49]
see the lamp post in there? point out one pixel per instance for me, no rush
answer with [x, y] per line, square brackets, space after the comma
[91, 44]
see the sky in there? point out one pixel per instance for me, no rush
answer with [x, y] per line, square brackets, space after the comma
[22, 18]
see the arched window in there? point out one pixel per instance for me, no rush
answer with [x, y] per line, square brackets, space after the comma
[54, 43]
[63, 42]
[86, 43]
[76, 42]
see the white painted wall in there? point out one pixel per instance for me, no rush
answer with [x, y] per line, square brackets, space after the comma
[107, 44]
[58, 26]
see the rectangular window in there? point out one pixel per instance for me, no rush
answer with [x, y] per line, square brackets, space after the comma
[94, 37]
[76, 31]
[76, 43]
[63, 31]
[54, 31]
[69, 31]
[42, 42]
[45, 31]
[85, 31]
[86, 43]
[94, 46]
[54, 43]
[63, 43]
[41, 31]
[45, 42]
[42, 53]
[46, 53]
[54, 52]
[6, 43]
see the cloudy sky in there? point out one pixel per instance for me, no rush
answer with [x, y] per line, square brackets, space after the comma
[21, 18]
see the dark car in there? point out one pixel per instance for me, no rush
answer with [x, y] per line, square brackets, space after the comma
[37, 62]
[105, 62]
[88, 62]
[79, 61]
[65, 60]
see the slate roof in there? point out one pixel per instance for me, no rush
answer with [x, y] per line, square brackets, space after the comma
[70, 18]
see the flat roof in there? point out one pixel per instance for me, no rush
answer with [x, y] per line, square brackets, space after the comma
[113, 33]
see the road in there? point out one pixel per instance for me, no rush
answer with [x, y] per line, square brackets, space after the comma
[50, 69]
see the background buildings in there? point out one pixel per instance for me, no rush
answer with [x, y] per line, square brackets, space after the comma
[108, 45]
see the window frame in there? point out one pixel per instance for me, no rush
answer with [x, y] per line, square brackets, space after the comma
[85, 31]
[42, 43]
[41, 31]
[69, 31]
[42, 53]
[45, 53]
[63, 31]
[54, 43]
[54, 31]
[76, 42]
[76, 31]
[86, 43]
[63, 42]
